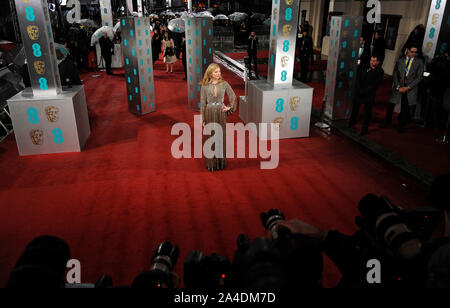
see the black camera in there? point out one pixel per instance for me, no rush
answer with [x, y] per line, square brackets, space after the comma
[270, 219]
[41, 265]
[202, 271]
[388, 225]
[258, 264]
[160, 275]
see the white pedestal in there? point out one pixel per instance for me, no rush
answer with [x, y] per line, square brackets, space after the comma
[47, 125]
[289, 106]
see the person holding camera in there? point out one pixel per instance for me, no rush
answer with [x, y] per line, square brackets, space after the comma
[252, 50]
[169, 52]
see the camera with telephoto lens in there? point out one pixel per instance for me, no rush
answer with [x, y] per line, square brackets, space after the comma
[203, 271]
[387, 225]
[160, 275]
[270, 219]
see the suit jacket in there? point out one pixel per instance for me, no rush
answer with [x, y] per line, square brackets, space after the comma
[106, 46]
[255, 46]
[183, 51]
[365, 57]
[305, 47]
[367, 83]
[379, 48]
[415, 76]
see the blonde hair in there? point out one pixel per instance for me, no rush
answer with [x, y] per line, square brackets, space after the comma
[208, 74]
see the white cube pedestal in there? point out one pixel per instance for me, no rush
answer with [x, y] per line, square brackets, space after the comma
[44, 125]
[288, 105]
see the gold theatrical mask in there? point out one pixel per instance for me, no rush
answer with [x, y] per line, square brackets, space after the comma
[345, 33]
[39, 67]
[289, 2]
[284, 61]
[138, 32]
[189, 32]
[37, 136]
[435, 19]
[130, 22]
[428, 47]
[357, 22]
[355, 44]
[278, 123]
[275, 12]
[52, 113]
[33, 33]
[294, 103]
[287, 30]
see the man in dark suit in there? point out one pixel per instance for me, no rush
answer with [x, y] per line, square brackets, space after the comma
[306, 52]
[364, 53]
[252, 50]
[379, 46]
[107, 48]
[368, 80]
[184, 56]
[408, 74]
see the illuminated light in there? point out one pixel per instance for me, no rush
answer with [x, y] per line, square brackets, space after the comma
[223, 276]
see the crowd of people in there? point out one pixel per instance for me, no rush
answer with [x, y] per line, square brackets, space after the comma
[411, 87]
[393, 248]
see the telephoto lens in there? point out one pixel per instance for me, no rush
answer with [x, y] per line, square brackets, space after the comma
[270, 219]
[389, 227]
[164, 260]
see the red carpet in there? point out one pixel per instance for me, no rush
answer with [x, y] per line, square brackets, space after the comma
[124, 194]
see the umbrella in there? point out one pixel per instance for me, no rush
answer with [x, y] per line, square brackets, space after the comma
[87, 22]
[221, 17]
[258, 16]
[117, 28]
[98, 34]
[168, 13]
[205, 14]
[237, 16]
[177, 25]
[153, 15]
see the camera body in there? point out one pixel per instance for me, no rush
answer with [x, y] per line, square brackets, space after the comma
[203, 271]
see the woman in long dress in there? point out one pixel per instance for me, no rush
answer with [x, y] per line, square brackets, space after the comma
[169, 52]
[213, 110]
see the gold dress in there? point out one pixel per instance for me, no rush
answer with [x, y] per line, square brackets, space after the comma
[211, 111]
